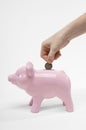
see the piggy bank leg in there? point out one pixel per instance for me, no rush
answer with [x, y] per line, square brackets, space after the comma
[68, 104]
[63, 103]
[31, 102]
[36, 104]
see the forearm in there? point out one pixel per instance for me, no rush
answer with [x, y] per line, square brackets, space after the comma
[75, 28]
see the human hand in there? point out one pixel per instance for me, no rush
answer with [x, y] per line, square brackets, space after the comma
[50, 49]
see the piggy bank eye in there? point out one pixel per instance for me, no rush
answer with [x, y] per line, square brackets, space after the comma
[20, 76]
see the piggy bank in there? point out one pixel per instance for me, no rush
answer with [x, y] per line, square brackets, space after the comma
[43, 84]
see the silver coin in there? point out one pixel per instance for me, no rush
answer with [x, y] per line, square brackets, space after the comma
[48, 66]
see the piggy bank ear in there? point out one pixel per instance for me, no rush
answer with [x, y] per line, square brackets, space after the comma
[29, 69]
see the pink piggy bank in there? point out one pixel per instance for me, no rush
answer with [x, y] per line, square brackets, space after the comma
[42, 84]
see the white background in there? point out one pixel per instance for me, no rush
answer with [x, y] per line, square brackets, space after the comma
[24, 24]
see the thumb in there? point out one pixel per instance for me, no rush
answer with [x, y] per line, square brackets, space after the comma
[51, 55]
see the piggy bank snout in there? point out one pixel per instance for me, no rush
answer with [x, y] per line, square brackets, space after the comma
[11, 78]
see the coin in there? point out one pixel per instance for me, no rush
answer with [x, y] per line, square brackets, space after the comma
[48, 66]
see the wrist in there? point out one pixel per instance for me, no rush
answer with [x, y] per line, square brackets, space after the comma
[66, 33]
[61, 38]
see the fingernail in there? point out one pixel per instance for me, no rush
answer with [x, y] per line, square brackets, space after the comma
[50, 59]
